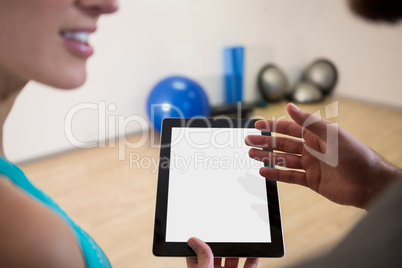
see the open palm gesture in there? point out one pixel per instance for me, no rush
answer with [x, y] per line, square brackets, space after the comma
[327, 159]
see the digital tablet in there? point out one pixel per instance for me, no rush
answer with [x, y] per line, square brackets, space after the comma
[209, 188]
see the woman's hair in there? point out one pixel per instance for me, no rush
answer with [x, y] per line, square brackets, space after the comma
[378, 10]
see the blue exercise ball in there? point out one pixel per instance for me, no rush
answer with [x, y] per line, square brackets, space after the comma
[176, 97]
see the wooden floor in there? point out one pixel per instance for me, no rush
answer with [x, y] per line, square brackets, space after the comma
[115, 202]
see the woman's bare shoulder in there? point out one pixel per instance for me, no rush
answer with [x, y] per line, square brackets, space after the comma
[32, 235]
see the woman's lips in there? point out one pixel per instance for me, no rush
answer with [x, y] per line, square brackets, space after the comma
[77, 42]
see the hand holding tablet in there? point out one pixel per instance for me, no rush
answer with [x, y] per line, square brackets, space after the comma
[205, 258]
[209, 188]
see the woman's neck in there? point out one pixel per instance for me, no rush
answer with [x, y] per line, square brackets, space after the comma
[10, 87]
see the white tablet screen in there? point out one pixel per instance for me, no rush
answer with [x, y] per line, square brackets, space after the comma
[215, 191]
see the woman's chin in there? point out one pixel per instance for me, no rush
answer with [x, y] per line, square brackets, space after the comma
[66, 81]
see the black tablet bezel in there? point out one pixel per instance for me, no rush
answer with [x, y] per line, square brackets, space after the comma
[180, 249]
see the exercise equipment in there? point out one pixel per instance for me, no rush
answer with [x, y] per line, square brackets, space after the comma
[323, 74]
[306, 92]
[176, 97]
[318, 80]
[234, 74]
[272, 83]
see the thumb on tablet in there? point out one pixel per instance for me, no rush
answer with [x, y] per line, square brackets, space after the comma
[205, 257]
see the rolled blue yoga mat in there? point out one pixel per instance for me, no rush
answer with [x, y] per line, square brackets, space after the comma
[234, 74]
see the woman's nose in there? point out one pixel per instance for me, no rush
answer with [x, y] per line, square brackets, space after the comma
[98, 7]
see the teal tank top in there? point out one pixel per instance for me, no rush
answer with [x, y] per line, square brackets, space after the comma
[93, 254]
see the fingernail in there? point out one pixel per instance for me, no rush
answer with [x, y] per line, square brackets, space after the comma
[191, 243]
[294, 107]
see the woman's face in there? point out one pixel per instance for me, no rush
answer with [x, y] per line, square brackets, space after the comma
[47, 40]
